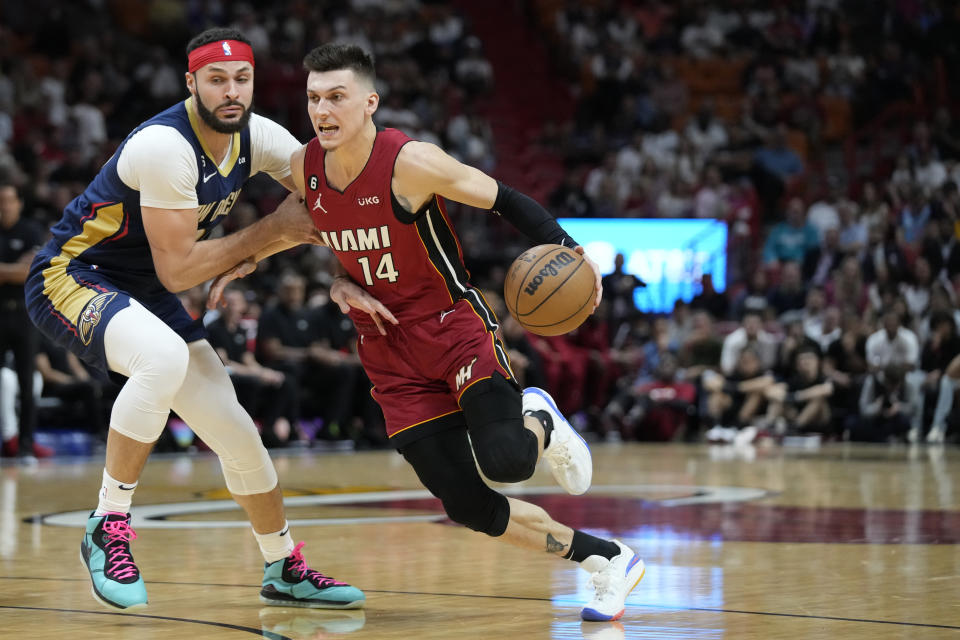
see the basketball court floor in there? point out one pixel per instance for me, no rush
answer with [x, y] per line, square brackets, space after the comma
[841, 542]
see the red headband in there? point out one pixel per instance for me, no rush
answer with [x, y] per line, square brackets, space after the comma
[219, 51]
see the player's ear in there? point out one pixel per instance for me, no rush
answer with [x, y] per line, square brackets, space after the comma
[191, 81]
[373, 101]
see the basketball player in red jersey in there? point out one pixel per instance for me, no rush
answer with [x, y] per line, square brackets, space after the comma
[439, 371]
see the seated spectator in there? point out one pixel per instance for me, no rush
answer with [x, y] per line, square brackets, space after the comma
[827, 331]
[949, 383]
[774, 166]
[852, 237]
[750, 333]
[883, 252]
[916, 290]
[793, 239]
[705, 131]
[659, 410]
[289, 340]
[789, 294]
[819, 264]
[269, 395]
[754, 296]
[893, 344]
[939, 350]
[739, 399]
[702, 349]
[914, 216]
[825, 214]
[794, 338]
[885, 411]
[65, 378]
[805, 398]
[846, 289]
[845, 364]
[812, 314]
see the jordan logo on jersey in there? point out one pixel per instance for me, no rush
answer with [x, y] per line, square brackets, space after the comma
[465, 373]
[317, 205]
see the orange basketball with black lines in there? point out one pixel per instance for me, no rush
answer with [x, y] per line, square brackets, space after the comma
[549, 289]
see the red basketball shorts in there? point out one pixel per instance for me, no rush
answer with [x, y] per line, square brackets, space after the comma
[419, 371]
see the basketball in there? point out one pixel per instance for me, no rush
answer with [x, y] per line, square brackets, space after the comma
[549, 289]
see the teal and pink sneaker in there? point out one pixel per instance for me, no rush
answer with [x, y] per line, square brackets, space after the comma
[291, 583]
[105, 550]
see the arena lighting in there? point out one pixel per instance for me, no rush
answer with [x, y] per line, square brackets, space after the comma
[670, 255]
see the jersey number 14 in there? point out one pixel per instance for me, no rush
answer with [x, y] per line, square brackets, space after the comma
[385, 270]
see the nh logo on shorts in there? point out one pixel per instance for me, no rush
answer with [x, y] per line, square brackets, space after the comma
[465, 373]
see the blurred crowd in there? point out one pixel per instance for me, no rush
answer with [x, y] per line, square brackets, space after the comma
[820, 130]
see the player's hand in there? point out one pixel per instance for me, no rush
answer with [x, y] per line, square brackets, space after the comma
[348, 294]
[596, 273]
[293, 223]
[215, 295]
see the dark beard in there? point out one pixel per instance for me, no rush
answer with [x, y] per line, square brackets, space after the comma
[219, 125]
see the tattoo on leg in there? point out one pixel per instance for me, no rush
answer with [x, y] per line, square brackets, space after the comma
[554, 545]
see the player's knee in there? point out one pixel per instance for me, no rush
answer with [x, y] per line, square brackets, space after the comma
[507, 458]
[484, 511]
[505, 450]
[162, 365]
[247, 468]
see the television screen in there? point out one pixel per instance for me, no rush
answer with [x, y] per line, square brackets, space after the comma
[670, 255]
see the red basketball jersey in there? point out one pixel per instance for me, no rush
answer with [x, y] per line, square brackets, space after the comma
[411, 262]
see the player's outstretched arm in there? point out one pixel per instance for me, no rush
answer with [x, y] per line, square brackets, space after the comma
[423, 169]
[183, 262]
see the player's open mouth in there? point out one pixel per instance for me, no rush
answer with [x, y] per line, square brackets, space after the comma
[327, 129]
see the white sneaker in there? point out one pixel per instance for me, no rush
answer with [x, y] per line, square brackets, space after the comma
[568, 454]
[913, 436]
[936, 435]
[612, 583]
[745, 436]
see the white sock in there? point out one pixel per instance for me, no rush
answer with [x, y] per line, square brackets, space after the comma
[277, 545]
[115, 496]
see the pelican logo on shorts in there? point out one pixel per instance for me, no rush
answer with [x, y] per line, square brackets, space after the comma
[552, 268]
[465, 373]
[90, 317]
[226, 48]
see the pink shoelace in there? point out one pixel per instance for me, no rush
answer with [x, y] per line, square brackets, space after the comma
[119, 561]
[298, 565]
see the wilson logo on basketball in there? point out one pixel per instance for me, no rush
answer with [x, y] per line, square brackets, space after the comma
[368, 200]
[552, 268]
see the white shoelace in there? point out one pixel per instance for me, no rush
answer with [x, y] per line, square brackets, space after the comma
[601, 582]
[561, 456]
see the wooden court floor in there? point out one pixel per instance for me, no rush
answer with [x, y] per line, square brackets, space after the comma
[767, 543]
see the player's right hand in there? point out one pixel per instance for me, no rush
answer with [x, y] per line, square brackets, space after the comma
[293, 222]
[347, 293]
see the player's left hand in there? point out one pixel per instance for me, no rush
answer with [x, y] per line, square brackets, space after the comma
[347, 293]
[596, 273]
[215, 295]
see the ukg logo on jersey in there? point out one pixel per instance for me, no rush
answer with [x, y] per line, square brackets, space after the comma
[364, 201]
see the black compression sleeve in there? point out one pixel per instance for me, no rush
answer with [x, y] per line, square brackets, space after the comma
[531, 219]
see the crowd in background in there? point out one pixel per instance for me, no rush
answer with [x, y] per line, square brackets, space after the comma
[841, 314]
